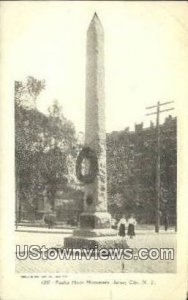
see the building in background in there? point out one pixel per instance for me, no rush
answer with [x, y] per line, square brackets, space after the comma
[131, 165]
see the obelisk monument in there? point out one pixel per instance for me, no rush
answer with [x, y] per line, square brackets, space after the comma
[95, 221]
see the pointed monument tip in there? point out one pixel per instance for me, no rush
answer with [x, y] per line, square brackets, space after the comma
[95, 20]
[95, 25]
[95, 17]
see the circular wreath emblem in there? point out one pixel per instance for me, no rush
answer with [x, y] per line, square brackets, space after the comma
[88, 154]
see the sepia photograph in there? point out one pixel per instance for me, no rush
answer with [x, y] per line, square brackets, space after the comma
[96, 102]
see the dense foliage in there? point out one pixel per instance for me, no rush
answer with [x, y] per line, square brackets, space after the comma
[44, 147]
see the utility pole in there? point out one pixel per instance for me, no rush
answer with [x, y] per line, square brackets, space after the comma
[158, 159]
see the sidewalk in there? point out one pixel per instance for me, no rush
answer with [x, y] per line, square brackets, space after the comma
[44, 229]
[139, 230]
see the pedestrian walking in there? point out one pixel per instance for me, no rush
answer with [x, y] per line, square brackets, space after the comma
[122, 226]
[131, 226]
[166, 222]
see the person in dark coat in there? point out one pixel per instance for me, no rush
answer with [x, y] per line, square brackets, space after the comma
[166, 222]
[122, 227]
[131, 226]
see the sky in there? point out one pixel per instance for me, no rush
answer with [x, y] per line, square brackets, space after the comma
[146, 55]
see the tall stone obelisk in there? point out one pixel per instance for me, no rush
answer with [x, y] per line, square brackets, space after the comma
[95, 221]
[95, 215]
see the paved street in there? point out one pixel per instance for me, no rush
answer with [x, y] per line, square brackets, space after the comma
[142, 240]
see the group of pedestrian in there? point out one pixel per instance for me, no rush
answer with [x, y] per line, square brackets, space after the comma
[127, 226]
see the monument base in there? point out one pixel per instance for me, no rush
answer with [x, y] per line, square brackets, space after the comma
[95, 230]
[107, 242]
[84, 232]
[95, 220]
